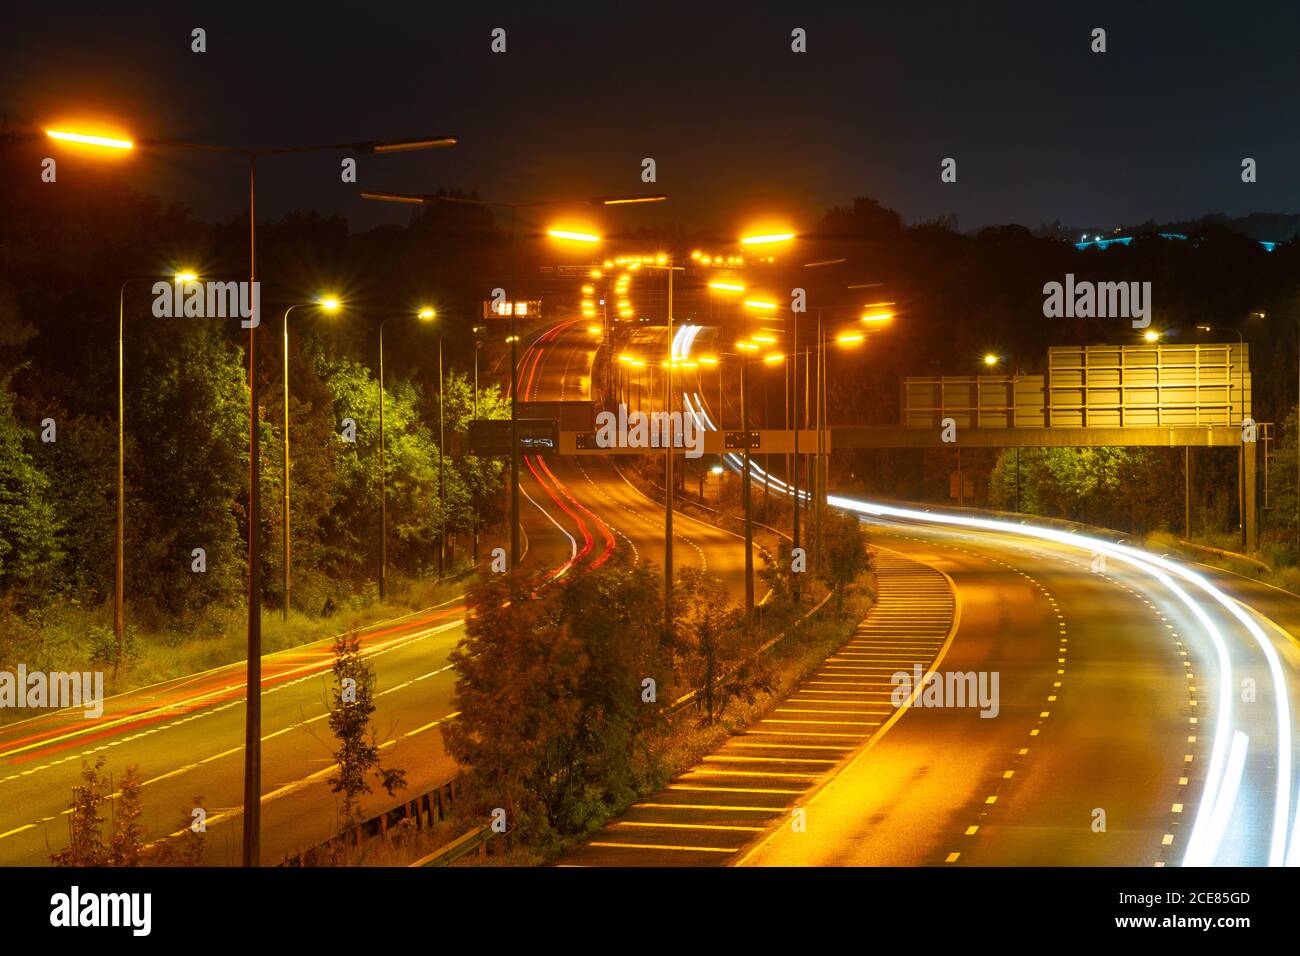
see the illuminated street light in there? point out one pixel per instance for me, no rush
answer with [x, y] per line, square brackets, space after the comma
[327, 303]
[726, 287]
[1151, 335]
[760, 304]
[764, 240]
[252, 790]
[425, 314]
[86, 139]
[119, 572]
[572, 236]
[849, 338]
[990, 359]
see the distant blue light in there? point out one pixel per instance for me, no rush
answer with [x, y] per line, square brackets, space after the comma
[1125, 240]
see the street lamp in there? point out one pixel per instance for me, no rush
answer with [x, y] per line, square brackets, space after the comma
[325, 304]
[119, 544]
[252, 802]
[420, 199]
[423, 315]
[1241, 450]
[666, 263]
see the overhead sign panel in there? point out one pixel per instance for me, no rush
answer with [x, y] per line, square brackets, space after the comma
[1098, 386]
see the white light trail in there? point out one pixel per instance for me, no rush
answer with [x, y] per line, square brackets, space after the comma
[1202, 839]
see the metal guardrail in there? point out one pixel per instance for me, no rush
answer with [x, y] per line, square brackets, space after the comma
[1223, 553]
[424, 811]
[462, 845]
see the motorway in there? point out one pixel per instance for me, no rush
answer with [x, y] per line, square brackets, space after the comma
[1109, 746]
[1140, 721]
[706, 815]
[186, 735]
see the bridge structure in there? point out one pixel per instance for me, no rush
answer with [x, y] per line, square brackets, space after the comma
[1167, 396]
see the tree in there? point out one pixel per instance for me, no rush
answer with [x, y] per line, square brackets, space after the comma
[710, 629]
[86, 843]
[29, 527]
[351, 713]
[552, 694]
[845, 552]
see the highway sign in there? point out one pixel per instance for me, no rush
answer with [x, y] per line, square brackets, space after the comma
[741, 439]
[491, 437]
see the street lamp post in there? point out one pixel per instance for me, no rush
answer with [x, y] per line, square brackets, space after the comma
[424, 315]
[442, 484]
[119, 543]
[420, 199]
[669, 479]
[253, 717]
[1241, 450]
[327, 304]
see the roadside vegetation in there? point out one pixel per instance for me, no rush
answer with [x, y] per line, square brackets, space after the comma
[568, 695]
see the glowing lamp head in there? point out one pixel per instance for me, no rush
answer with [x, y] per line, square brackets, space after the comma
[572, 236]
[329, 303]
[186, 277]
[85, 139]
[1151, 335]
[990, 359]
[767, 239]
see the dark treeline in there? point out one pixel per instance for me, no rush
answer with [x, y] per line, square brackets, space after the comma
[66, 248]
[959, 296]
[64, 252]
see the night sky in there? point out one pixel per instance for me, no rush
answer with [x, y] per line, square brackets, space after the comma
[741, 128]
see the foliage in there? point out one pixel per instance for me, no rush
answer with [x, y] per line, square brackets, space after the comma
[845, 552]
[552, 696]
[87, 844]
[29, 525]
[710, 630]
[1125, 488]
[351, 711]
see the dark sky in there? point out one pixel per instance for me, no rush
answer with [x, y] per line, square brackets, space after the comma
[741, 128]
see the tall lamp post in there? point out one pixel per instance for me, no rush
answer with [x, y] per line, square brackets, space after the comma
[992, 360]
[744, 349]
[253, 716]
[421, 199]
[424, 315]
[326, 304]
[665, 263]
[119, 544]
[1241, 450]
[442, 484]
